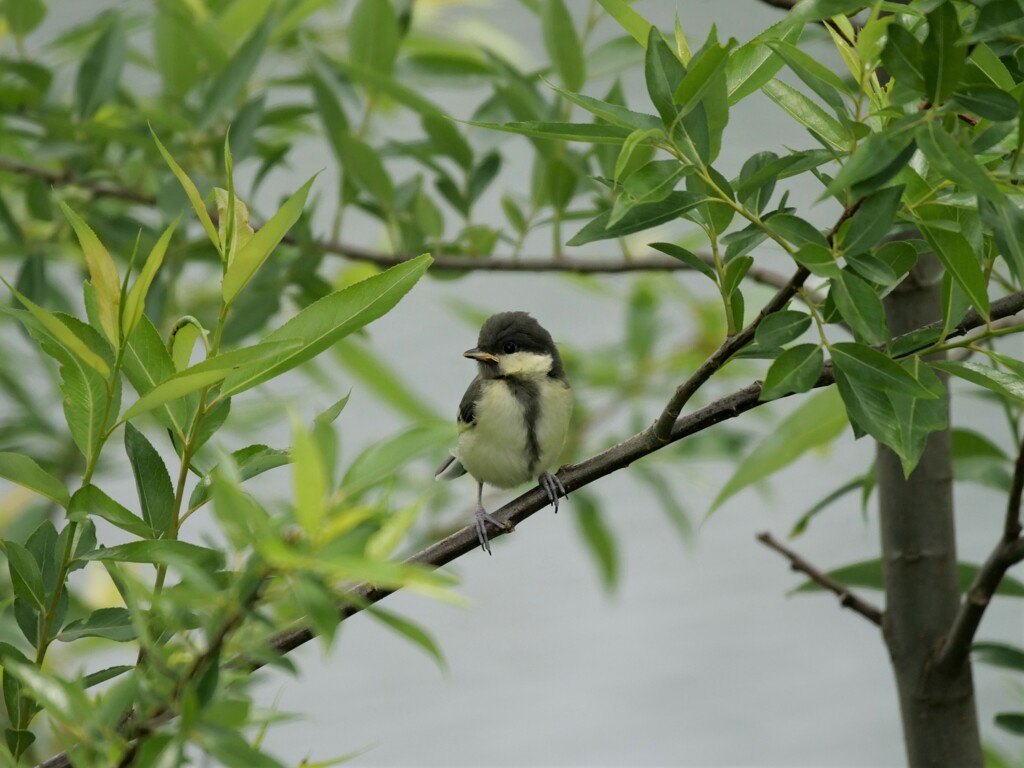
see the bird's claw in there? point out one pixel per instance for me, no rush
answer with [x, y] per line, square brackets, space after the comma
[553, 487]
[483, 517]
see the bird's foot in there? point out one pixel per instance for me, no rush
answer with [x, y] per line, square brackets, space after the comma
[483, 517]
[553, 487]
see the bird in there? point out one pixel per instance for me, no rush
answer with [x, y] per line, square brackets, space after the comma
[513, 419]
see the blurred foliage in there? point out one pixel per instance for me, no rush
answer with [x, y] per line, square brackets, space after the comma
[152, 152]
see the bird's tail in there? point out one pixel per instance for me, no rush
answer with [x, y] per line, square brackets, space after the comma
[450, 469]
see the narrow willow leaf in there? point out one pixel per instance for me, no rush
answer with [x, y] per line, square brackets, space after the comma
[868, 575]
[147, 363]
[249, 462]
[687, 257]
[91, 501]
[861, 308]
[808, 114]
[781, 328]
[100, 70]
[248, 360]
[26, 578]
[599, 538]
[364, 166]
[1000, 382]
[410, 631]
[614, 113]
[309, 481]
[102, 273]
[251, 256]
[24, 471]
[957, 164]
[754, 63]
[700, 76]
[816, 10]
[943, 54]
[373, 35]
[135, 301]
[386, 539]
[152, 481]
[631, 21]
[818, 259]
[818, 77]
[563, 44]
[999, 655]
[160, 552]
[591, 133]
[872, 221]
[191, 192]
[961, 262]
[63, 335]
[1006, 221]
[235, 75]
[874, 163]
[873, 369]
[817, 422]
[109, 623]
[325, 321]
[795, 370]
[639, 218]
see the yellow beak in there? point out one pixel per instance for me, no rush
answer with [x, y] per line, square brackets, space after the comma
[478, 354]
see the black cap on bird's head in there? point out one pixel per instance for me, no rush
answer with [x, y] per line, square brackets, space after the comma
[507, 333]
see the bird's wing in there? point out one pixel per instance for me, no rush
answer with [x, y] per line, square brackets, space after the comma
[467, 408]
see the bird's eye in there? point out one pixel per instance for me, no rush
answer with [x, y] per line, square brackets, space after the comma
[509, 347]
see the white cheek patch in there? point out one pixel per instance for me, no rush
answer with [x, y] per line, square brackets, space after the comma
[525, 364]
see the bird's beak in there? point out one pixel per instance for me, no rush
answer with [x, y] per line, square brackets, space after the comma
[479, 354]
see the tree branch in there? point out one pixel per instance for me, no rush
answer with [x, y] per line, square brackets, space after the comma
[846, 598]
[607, 265]
[1007, 552]
[575, 476]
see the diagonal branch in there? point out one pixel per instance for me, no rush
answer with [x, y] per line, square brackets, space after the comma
[847, 599]
[576, 476]
[1007, 552]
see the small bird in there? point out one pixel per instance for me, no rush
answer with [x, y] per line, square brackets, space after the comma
[513, 419]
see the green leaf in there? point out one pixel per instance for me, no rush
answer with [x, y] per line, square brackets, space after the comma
[754, 63]
[364, 167]
[591, 133]
[861, 308]
[102, 273]
[383, 459]
[877, 159]
[808, 114]
[410, 631]
[410, 97]
[816, 10]
[26, 578]
[90, 500]
[563, 44]
[871, 221]
[1000, 382]
[795, 370]
[109, 623]
[361, 361]
[704, 68]
[902, 57]
[147, 363]
[818, 259]
[615, 114]
[24, 471]
[636, 25]
[917, 418]
[373, 36]
[63, 335]
[191, 192]
[100, 70]
[663, 72]
[687, 257]
[324, 322]
[1006, 221]
[873, 369]
[599, 539]
[250, 361]
[943, 55]
[250, 257]
[998, 19]
[135, 301]
[385, 540]
[781, 328]
[152, 482]
[23, 16]
[735, 271]
[961, 262]
[447, 139]
[817, 422]
[235, 75]
[818, 77]
[868, 575]
[800, 526]
[309, 481]
[957, 164]
[250, 461]
[1011, 721]
[178, 554]
[638, 218]
[999, 655]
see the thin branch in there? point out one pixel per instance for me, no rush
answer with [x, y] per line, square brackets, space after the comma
[587, 265]
[575, 476]
[1007, 552]
[847, 599]
[733, 344]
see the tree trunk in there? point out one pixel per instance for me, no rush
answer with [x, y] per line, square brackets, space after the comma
[940, 722]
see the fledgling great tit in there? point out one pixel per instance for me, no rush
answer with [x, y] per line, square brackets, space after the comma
[513, 419]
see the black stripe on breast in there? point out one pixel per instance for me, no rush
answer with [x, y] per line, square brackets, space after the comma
[528, 395]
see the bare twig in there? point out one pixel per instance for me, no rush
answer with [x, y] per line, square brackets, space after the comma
[608, 265]
[576, 476]
[847, 599]
[1008, 552]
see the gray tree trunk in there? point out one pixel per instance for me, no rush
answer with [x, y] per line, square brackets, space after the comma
[922, 593]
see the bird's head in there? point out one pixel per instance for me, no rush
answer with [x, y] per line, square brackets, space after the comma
[514, 344]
